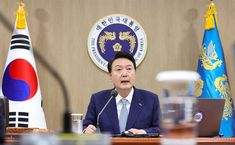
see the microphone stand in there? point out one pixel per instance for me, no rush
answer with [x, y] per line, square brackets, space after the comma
[98, 117]
[113, 94]
[66, 114]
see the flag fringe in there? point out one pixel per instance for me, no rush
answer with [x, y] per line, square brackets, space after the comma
[211, 17]
[20, 16]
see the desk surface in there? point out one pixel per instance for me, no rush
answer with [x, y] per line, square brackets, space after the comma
[155, 141]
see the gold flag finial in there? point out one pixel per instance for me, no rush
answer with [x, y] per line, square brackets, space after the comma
[211, 16]
[21, 16]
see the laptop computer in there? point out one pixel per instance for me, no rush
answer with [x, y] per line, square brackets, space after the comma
[209, 116]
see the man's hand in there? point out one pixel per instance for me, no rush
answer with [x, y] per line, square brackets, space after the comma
[137, 131]
[90, 129]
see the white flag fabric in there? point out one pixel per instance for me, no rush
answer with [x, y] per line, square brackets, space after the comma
[20, 82]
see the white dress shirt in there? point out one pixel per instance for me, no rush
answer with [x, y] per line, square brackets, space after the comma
[119, 104]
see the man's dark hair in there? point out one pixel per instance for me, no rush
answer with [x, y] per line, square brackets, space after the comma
[118, 55]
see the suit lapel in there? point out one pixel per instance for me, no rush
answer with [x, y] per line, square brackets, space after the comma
[112, 114]
[135, 109]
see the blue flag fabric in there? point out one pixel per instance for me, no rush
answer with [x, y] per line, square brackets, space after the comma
[214, 82]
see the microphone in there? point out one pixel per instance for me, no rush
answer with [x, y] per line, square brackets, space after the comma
[113, 94]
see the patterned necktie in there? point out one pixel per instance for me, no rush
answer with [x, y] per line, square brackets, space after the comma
[123, 115]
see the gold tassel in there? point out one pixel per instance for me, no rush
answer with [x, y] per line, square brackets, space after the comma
[20, 16]
[211, 12]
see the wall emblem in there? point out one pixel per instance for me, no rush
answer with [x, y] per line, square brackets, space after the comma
[115, 33]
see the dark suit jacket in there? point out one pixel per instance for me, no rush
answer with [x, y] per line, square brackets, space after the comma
[144, 112]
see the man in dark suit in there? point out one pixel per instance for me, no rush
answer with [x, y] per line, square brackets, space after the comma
[133, 110]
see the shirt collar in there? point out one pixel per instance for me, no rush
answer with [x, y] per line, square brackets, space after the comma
[128, 97]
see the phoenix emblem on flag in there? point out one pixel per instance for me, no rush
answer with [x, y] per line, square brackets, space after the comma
[209, 57]
[222, 86]
[198, 87]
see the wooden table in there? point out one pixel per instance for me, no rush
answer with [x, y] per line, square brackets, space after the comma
[153, 141]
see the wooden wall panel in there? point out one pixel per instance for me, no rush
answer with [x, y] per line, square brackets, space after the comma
[59, 31]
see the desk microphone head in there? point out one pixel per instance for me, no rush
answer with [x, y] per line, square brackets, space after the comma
[114, 93]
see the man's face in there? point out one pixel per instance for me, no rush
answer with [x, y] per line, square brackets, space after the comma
[123, 74]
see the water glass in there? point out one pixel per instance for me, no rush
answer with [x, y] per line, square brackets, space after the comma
[77, 126]
[178, 124]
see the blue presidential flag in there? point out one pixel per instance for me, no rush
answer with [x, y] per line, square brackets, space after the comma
[214, 82]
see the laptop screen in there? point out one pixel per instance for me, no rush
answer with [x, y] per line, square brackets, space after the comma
[209, 116]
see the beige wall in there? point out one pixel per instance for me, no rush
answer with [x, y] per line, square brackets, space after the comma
[59, 31]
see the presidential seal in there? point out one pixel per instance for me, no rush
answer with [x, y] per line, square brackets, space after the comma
[115, 33]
